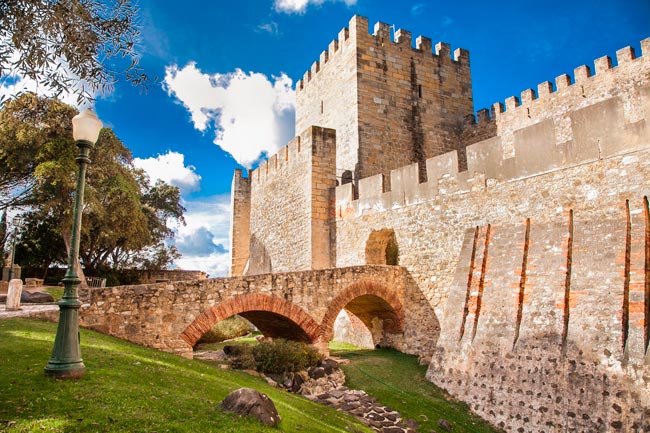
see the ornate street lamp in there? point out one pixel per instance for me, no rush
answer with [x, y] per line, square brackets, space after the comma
[17, 222]
[66, 362]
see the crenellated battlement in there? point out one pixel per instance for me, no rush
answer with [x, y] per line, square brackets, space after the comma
[283, 161]
[358, 29]
[590, 119]
[586, 85]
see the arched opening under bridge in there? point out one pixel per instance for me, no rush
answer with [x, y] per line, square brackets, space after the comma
[370, 304]
[273, 316]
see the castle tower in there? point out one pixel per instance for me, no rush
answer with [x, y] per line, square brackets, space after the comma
[390, 104]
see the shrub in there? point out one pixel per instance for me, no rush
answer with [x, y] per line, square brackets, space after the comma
[241, 356]
[283, 356]
[227, 329]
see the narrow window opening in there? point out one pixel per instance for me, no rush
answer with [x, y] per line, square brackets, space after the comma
[321, 107]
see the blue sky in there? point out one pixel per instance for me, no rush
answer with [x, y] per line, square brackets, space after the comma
[226, 70]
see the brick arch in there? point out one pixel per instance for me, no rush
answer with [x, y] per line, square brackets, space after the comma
[252, 303]
[377, 294]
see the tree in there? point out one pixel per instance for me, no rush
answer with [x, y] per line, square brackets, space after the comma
[61, 43]
[124, 217]
[40, 243]
[29, 125]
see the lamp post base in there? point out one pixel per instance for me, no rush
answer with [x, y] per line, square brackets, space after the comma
[65, 370]
[66, 362]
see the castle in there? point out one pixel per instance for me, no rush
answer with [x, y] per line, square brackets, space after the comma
[526, 230]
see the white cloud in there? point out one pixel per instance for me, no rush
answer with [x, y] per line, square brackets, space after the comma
[270, 27]
[170, 168]
[418, 8]
[300, 6]
[208, 219]
[251, 114]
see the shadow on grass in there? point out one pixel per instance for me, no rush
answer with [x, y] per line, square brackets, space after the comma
[128, 388]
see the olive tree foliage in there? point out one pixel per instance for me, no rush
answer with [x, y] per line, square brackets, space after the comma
[125, 218]
[62, 43]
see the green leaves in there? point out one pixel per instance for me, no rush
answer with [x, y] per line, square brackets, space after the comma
[62, 43]
[125, 220]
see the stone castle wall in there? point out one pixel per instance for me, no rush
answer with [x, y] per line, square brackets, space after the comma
[240, 232]
[551, 222]
[327, 97]
[390, 103]
[289, 206]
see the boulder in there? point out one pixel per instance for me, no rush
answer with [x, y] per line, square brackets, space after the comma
[444, 424]
[36, 297]
[317, 372]
[250, 402]
[298, 379]
[329, 365]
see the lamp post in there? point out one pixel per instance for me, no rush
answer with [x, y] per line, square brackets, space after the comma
[17, 222]
[66, 362]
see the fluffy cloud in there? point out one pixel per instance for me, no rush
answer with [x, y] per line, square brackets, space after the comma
[204, 241]
[251, 115]
[170, 168]
[300, 6]
[199, 243]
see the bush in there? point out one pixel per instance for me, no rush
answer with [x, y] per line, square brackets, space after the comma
[283, 356]
[241, 356]
[227, 329]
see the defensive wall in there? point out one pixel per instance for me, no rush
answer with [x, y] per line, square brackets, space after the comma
[281, 211]
[536, 258]
[375, 90]
[295, 305]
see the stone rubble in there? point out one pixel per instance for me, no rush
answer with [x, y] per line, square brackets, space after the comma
[325, 385]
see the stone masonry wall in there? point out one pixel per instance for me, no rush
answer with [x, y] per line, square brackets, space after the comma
[391, 104]
[565, 181]
[240, 230]
[289, 213]
[412, 103]
[327, 97]
[173, 316]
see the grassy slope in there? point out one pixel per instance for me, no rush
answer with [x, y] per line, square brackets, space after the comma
[397, 380]
[128, 388]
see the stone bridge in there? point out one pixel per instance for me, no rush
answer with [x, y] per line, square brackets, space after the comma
[294, 305]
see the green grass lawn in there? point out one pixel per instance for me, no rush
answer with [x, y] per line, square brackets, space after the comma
[397, 380]
[128, 388]
[55, 291]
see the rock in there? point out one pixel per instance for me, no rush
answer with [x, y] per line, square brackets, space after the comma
[271, 382]
[411, 423]
[445, 425]
[14, 294]
[329, 365]
[288, 380]
[210, 355]
[250, 402]
[297, 381]
[36, 298]
[317, 372]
